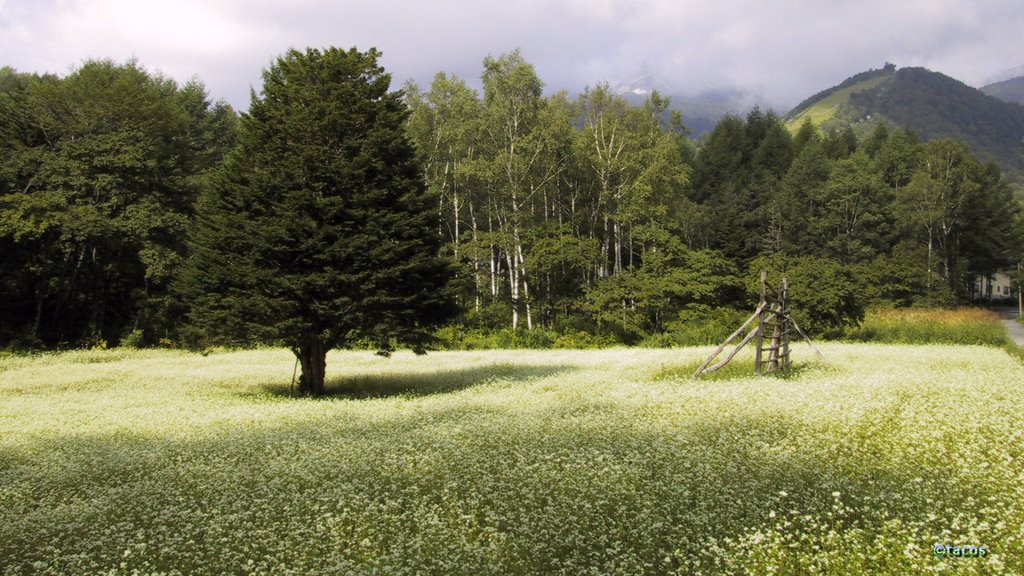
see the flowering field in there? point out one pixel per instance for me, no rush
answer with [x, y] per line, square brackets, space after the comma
[524, 462]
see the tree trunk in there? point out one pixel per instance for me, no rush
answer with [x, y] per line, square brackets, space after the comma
[929, 279]
[476, 260]
[513, 284]
[602, 270]
[494, 258]
[521, 268]
[37, 318]
[456, 207]
[630, 247]
[618, 247]
[313, 357]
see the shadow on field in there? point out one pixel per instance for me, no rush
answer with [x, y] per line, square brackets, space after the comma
[387, 384]
[585, 478]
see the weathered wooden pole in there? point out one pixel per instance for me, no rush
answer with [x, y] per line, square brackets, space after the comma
[785, 331]
[773, 309]
[759, 336]
[773, 353]
[754, 317]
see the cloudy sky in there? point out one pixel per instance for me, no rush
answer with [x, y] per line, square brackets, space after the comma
[783, 50]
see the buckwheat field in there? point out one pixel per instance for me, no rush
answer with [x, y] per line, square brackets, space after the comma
[512, 462]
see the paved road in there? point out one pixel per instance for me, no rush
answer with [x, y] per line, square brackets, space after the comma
[1016, 329]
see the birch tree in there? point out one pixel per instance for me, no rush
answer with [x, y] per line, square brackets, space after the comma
[518, 165]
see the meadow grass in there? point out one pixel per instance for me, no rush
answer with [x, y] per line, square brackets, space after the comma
[512, 462]
[932, 326]
[826, 108]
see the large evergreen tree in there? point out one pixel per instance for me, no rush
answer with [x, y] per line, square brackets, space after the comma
[318, 231]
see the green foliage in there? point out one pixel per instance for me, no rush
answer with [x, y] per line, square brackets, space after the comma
[738, 176]
[855, 212]
[895, 281]
[317, 232]
[840, 143]
[897, 158]
[698, 325]
[459, 338]
[798, 204]
[824, 295]
[97, 184]
[564, 222]
[671, 280]
[959, 213]
[133, 339]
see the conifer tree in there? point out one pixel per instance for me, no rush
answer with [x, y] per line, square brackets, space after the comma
[318, 232]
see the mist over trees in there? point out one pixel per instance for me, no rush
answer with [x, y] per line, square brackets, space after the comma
[581, 219]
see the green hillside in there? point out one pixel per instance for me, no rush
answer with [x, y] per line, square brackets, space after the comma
[932, 104]
[832, 107]
[1008, 91]
[829, 106]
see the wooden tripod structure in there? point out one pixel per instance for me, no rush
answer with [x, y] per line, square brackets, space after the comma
[772, 325]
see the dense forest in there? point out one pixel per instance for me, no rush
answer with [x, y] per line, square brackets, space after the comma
[99, 176]
[571, 220]
[933, 105]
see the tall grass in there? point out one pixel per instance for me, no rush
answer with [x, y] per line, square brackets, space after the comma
[969, 326]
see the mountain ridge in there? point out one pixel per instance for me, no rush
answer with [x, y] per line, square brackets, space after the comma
[1011, 90]
[931, 104]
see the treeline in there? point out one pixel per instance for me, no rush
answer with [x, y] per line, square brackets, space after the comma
[935, 104]
[99, 175]
[587, 214]
[584, 218]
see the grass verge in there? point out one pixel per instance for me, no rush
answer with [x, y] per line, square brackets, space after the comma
[967, 326]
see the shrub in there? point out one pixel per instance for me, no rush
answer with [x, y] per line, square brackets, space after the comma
[824, 296]
[458, 338]
[94, 343]
[917, 326]
[699, 326]
[132, 339]
[537, 339]
[579, 339]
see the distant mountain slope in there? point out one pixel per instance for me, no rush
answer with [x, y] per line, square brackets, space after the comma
[701, 110]
[1011, 90]
[932, 104]
[1007, 74]
[826, 104]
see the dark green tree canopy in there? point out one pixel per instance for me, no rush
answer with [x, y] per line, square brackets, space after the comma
[318, 231]
[98, 178]
[587, 215]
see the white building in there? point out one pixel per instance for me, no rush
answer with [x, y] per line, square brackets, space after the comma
[998, 287]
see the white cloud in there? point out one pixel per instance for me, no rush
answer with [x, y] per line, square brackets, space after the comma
[786, 50]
